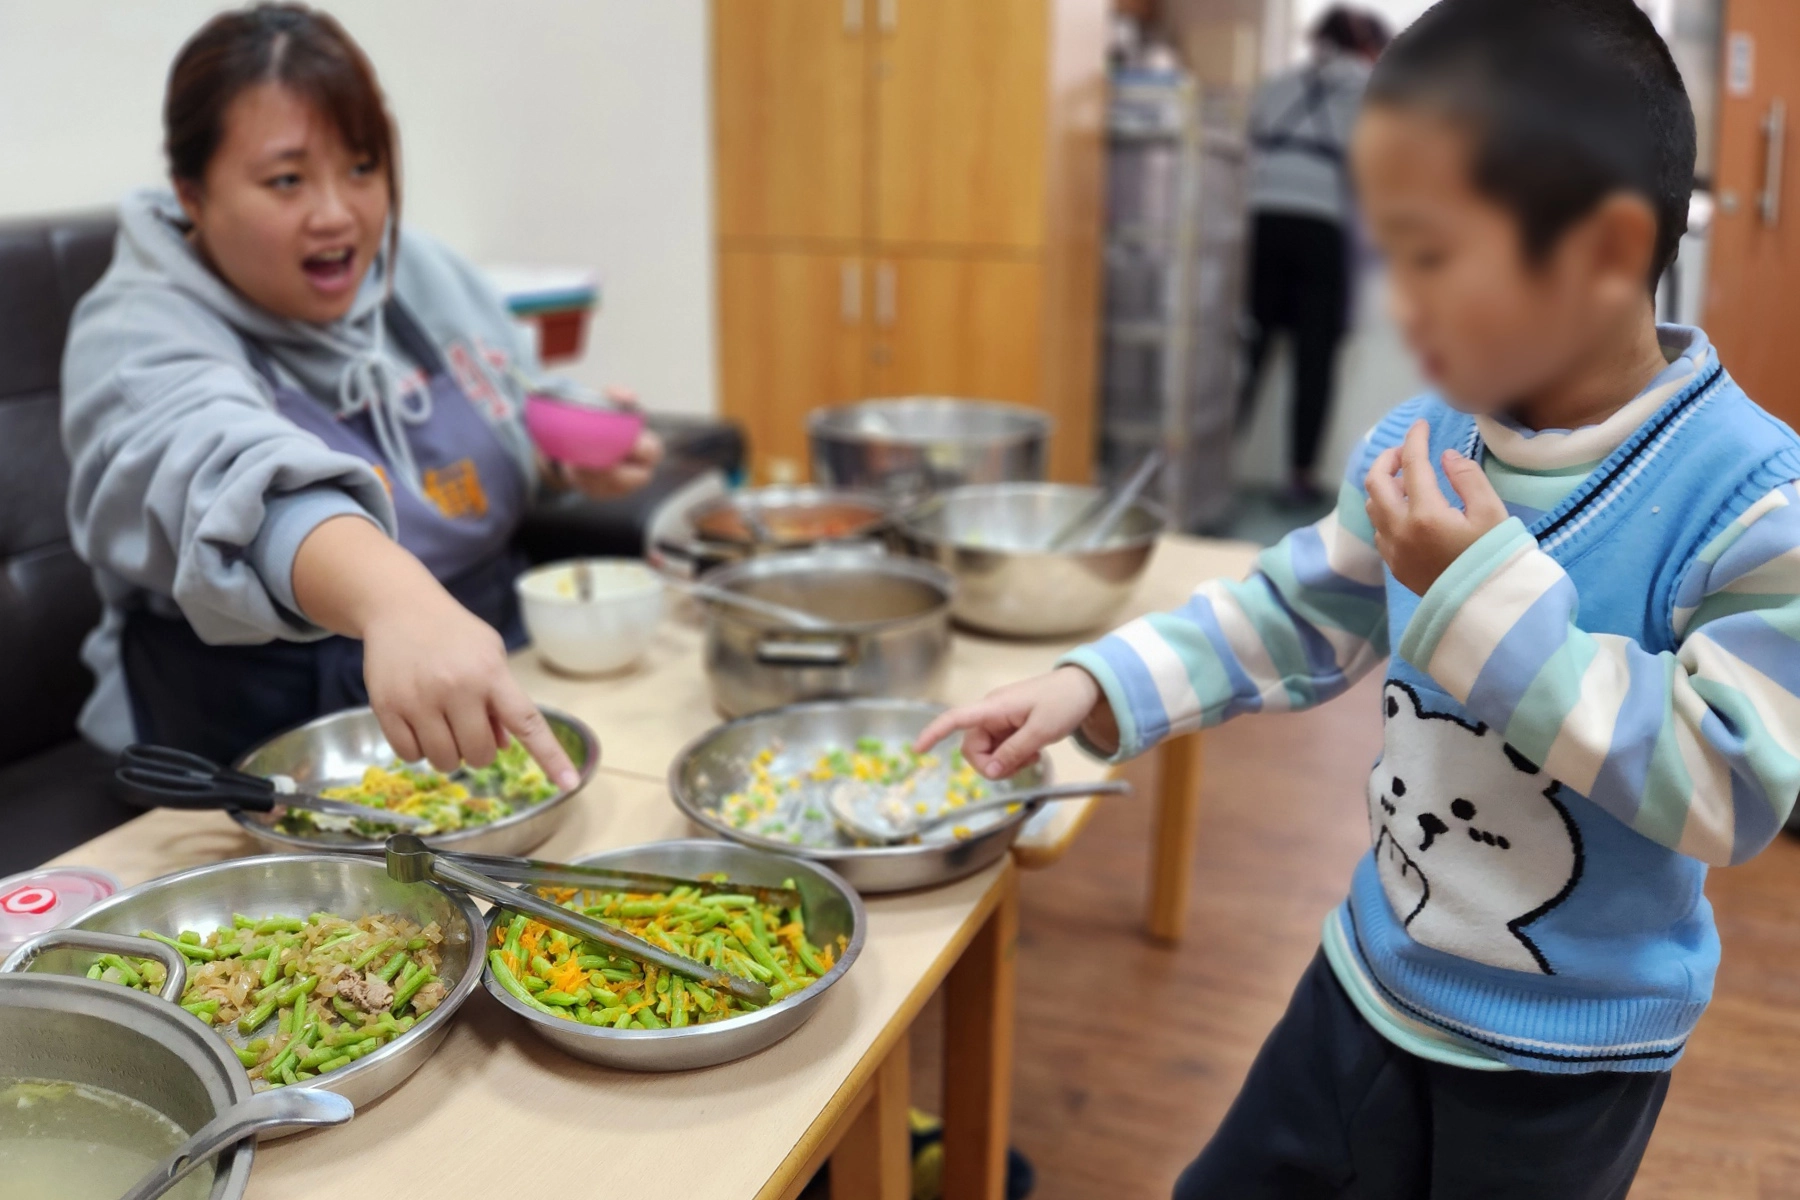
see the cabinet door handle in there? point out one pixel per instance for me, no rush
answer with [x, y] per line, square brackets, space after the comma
[890, 15]
[887, 300]
[1774, 131]
[853, 16]
[850, 291]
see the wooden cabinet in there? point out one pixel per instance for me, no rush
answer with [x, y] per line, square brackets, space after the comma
[960, 100]
[789, 107]
[956, 326]
[791, 339]
[908, 200]
[1753, 259]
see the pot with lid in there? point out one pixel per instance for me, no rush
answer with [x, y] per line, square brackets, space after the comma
[886, 633]
[63, 1039]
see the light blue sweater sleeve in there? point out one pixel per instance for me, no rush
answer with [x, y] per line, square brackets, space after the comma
[1309, 621]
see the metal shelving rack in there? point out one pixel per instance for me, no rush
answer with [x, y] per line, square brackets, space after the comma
[1174, 241]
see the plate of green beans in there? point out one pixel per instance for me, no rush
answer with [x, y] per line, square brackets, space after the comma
[604, 1006]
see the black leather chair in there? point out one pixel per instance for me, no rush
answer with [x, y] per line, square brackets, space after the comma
[54, 787]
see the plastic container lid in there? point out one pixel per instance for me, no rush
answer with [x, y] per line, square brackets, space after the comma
[40, 900]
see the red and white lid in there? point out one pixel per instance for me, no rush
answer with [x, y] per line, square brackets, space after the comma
[40, 900]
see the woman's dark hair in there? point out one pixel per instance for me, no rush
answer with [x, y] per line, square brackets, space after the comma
[303, 50]
[1566, 101]
[1351, 30]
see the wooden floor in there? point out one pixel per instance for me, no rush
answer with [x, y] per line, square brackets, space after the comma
[1129, 1053]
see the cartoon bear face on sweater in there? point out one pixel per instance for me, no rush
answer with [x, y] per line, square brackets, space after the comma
[1471, 841]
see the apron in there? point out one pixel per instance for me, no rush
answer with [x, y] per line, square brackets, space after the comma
[220, 701]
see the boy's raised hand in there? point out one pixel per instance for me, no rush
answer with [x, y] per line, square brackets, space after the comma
[1417, 532]
[1006, 729]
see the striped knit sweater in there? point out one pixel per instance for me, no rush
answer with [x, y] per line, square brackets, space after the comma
[1695, 747]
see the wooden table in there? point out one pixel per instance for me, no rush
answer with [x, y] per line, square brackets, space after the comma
[466, 1123]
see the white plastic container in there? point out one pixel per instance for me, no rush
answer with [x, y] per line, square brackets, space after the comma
[608, 631]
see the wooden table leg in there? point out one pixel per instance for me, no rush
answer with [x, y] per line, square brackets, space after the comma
[978, 1055]
[1177, 827]
[873, 1160]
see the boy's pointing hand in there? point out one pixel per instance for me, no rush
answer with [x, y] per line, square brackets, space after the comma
[1417, 531]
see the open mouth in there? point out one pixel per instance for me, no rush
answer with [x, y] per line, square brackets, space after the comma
[330, 270]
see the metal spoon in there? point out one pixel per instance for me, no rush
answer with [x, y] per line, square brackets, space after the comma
[282, 1108]
[1109, 510]
[861, 822]
[411, 861]
[791, 617]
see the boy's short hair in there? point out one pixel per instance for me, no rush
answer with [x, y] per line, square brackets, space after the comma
[1568, 101]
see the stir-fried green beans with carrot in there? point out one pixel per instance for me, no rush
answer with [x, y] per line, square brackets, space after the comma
[566, 977]
[313, 994]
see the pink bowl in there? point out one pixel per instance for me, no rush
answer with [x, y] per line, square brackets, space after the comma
[596, 438]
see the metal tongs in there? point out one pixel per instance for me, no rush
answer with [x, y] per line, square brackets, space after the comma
[410, 860]
[540, 874]
[163, 777]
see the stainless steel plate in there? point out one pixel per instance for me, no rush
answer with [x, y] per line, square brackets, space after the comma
[832, 910]
[205, 898]
[335, 750]
[718, 763]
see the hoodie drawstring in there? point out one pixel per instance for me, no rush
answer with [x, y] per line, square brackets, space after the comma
[371, 384]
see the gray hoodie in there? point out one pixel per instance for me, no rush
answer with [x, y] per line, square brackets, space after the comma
[189, 493]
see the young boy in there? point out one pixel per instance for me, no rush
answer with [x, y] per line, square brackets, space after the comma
[1592, 662]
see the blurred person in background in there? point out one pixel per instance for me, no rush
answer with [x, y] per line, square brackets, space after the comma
[294, 428]
[1302, 226]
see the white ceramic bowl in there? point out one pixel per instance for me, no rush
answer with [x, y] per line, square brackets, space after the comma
[606, 632]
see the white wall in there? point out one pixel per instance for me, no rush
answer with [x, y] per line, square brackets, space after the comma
[562, 132]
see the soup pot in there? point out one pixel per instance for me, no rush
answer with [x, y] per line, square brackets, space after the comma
[920, 444]
[79, 1030]
[887, 630]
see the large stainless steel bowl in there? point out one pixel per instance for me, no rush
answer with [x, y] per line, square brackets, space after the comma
[889, 632]
[102, 1035]
[831, 908]
[336, 749]
[920, 444]
[990, 539]
[718, 763]
[205, 898]
[790, 518]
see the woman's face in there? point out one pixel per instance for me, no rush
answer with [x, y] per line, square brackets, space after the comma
[288, 214]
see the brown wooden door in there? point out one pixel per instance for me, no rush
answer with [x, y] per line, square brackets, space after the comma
[790, 340]
[790, 111]
[956, 326]
[1753, 284]
[961, 89]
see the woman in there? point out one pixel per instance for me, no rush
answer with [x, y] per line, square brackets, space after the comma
[1301, 217]
[293, 427]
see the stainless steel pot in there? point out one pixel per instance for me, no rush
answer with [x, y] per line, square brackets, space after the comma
[889, 634]
[909, 447]
[102, 1035]
[718, 763]
[989, 539]
[293, 885]
[337, 748]
[831, 909]
[717, 532]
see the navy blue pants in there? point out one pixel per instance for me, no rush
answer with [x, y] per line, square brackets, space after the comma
[1331, 1109]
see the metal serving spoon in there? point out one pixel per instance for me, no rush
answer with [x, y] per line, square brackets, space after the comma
[163, 777]
[791, 617]
[411, 861]
[860, 813]
[282, 1108]
[1105, 511]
